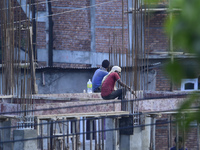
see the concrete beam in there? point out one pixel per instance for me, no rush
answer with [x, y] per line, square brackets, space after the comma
[83, 57]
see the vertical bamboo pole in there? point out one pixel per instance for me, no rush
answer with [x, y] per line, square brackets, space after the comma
[171, 43]
[41, 135]
[48, 133]
[84, 121]
[102, 134]
[95, 133]
[12, 48]
[198, 139]
[99, 137]
[77, 133]
[177, 136]
[183, 131]
[51, 135]
[121, 52]
[91, 133]
[63, 131]
[169, 131]
[73, 135]
[67, 134]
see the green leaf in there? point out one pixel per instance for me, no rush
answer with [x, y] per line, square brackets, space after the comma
[175, 71]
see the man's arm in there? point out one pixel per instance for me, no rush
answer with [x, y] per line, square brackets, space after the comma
[126, 86]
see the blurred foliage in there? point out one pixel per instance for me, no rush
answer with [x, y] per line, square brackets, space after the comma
[185, 28]
[0, 51]
[184, 119]
[186, 25]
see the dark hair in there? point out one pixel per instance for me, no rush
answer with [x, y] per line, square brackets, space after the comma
[105, 63]
[179, 139]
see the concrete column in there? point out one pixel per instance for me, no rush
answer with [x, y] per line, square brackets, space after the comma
[146, 134]
[140, 140]
[5, 135]
[27, 144]
[124, 142]
[111, 136]
[93, 31]
[153, 131]
[125, 134]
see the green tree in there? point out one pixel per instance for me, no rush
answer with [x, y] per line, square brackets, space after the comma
[184, 26]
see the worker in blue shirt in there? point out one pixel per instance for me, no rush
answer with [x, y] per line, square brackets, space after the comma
[98, 76]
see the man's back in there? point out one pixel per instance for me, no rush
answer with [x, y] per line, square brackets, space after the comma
[98, 77]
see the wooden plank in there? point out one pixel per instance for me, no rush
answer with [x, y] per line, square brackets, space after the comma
[50, 98]
[168, 112]
[34, 87]
[6, 96]
[77, 115]
[152, 9]
[20, 65]
[3, 117]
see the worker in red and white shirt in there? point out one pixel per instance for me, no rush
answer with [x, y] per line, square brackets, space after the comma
[108, 90]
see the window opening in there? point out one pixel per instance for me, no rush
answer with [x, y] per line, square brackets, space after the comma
[189, 84]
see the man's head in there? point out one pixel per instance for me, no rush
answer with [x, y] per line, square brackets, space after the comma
[116, 69]
[105, 63]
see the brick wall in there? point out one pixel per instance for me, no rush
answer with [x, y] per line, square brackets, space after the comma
[71, 26]
[109, 26]
[40, 5]
[162, 135]
[19, 14]
[163, 83]
[41, 36]
[156, 40]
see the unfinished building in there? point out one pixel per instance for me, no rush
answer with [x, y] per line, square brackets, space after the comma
[50, 48]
